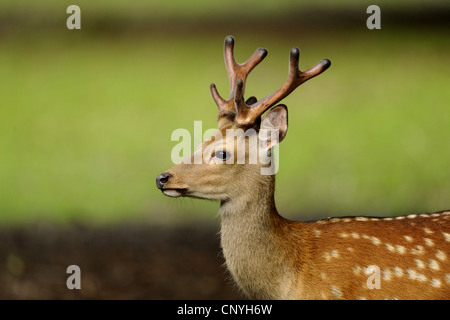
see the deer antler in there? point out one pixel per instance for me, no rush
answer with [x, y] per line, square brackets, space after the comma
[248, 114]
[235, 71]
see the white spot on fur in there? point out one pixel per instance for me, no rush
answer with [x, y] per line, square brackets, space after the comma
[408, 238]
[436, 283]
[316, 233]
[414, 275]
[361, 219]
[447, 278]
[421, 277]
[434, 215]
[400, 249]
[419, 263]
[412, 216]
[441, 255]
[388, 219]
[391, 248]
[446, 236]
[357, 270]
[350, 249]
[433, 264]
[418, 250]
[400, 218]
[398, 272]
[334, 253]
[428, 231]
[336, 292]
[375, 240]
[386, 274]
[343, 235]
[355, 235]
[428, 242]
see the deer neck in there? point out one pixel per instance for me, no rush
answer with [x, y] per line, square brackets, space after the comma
[252, 247]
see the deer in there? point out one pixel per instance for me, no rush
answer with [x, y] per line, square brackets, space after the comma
[271, 257]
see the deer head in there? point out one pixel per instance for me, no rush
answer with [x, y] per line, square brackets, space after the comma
[233, 157]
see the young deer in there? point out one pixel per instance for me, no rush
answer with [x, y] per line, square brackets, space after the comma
[270, 257]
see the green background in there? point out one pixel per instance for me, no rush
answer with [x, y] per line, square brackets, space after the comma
[86, 115]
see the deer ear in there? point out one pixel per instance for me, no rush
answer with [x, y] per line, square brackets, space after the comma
[275, 119]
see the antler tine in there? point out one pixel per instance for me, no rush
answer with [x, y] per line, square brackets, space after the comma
[248, 115]
[235, 71]
[239, 101]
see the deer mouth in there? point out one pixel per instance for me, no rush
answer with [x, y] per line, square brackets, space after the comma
[174, 193]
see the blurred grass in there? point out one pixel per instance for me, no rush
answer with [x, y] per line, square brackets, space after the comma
[205, 16]
[86, 121]
[198, 7]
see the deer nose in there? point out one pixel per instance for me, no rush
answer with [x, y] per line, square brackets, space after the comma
[162, 179]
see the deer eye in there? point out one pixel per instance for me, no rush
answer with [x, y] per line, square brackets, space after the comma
[222, 155]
